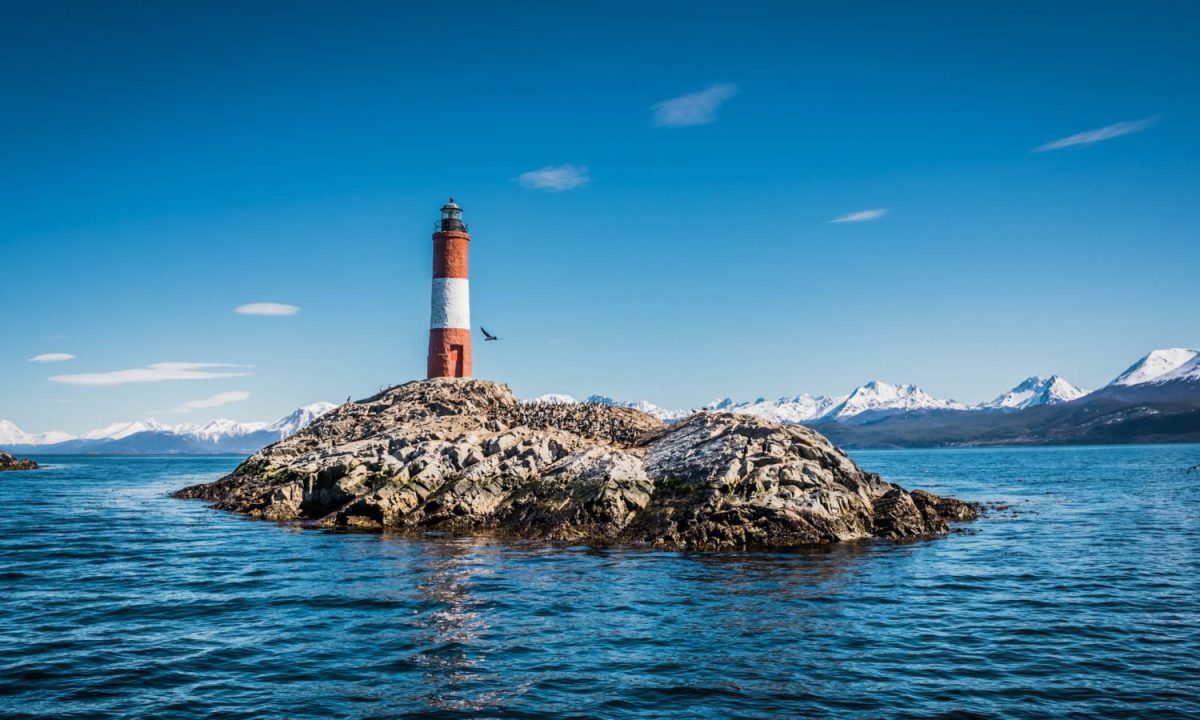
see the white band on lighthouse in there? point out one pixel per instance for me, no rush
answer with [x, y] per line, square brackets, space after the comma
[451, 304]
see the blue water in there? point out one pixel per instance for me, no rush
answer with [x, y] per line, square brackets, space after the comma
[1080, 601]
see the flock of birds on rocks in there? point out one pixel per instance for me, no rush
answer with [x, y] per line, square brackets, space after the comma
[619, 426]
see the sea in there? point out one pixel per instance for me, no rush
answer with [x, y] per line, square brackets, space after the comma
[1077, 595]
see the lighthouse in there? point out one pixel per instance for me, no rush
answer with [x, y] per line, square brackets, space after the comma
[450, 307]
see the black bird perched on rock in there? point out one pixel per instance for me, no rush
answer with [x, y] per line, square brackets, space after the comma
[487, 336]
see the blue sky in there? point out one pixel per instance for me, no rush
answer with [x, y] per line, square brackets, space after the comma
[650, 188]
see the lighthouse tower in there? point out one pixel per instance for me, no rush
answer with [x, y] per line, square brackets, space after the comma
[450, 310]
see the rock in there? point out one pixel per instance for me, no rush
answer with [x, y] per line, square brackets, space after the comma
[465, 456]
[8, 462]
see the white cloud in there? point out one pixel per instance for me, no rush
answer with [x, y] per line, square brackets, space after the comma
[698, 108]
[215, 401]
[267, 308]
[51, 357]
[860, 216]
[158, 372]
[1107, 132]
[555, 178]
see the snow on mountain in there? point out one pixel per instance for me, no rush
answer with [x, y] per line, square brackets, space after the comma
[1188, 371]
[1036, 390]
[665, 414]
[798, 409]
[213, 432]
[216, 430]
[299, 419]
[1158, 365]
[878, 396]
[554, 399]
[119, 430]
[873, 397]
[10, 434]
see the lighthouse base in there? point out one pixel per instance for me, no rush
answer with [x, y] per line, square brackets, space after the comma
[449, 352]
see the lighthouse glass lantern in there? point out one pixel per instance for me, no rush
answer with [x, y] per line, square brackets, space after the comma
[452, 217]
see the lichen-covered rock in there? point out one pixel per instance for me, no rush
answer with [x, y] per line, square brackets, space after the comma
[466, 456]
[8, 462]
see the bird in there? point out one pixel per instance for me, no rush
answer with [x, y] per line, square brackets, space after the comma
[487, 336]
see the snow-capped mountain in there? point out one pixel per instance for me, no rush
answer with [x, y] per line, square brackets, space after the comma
[149, 435]
[1188, 371]
[1155, 400]
[667, 415]
[10, 434]
[878, 397]
[299, 419]
[554, 399]
[1034, 391]
[1169, 373]
[798, 409]
[216, 430]
[119, 430]
[1161, 366]
[870, 400]
[873, 399]
[211, 431]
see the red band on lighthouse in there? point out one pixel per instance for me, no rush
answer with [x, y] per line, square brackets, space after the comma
[450, 301]
[450, 254]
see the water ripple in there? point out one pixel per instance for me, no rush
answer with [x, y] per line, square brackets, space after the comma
[1080, 600]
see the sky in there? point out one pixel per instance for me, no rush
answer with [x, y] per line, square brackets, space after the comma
[672, 201]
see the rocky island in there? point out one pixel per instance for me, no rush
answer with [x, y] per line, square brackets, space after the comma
[460, 455]
[8, 462]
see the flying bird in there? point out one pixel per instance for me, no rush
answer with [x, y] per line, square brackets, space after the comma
[487, 336]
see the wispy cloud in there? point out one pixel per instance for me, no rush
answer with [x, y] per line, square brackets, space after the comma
[698, 108]
[1108, 132]
[555, 178]
[51, 357]
[215, 401]
[860, 216]
[267, 308]
[158, 372]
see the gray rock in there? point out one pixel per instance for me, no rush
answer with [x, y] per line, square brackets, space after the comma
[466, 456]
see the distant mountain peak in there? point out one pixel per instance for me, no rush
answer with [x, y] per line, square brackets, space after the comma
[879, 396]
[1036, 390]
[119, 430]
[10, 434]
[665, 414]
[555, 399]
[1190, 370]
[797, 409]
[1156, 365]
[874, 396]
[299, 419]
[214, 434]
[216, 430]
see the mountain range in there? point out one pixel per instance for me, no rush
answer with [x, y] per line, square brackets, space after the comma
[1157, 399]
[867, 402]
[143, 437]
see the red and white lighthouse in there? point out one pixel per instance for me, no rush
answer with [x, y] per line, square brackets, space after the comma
[450, 308]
